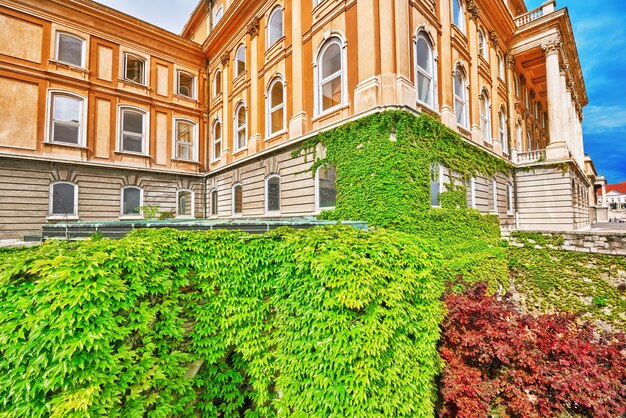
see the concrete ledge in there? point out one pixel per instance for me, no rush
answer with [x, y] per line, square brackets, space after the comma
[590, 241]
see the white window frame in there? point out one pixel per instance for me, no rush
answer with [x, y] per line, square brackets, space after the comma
[460, 22]
[214, 141]
[132, 215]
[217, 15]
[215, 83]
[236, 72]
[269, 109]
[485, 116]
[214, 200]
[509, 199]
[83, 53]
[145, 72]
[420, 70]
[494, 191]
[319, 208]
[502, 131]
[58, 216]
[194, 139]
[483, 48]
[146, 129]
[275, 10]
[193, 84]
[232, 208]
[193, 201]
[440, 173]
[319, 82]
[473, 192]
[267, 180]
[238, 128]
[501, 66]
[82, 133]
[519, 134]
[529, 138]
[460, 99]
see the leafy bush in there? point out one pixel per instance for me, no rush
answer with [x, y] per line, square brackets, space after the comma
[323, 322]
[499, 362]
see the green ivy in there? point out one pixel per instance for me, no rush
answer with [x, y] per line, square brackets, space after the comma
[327, 322]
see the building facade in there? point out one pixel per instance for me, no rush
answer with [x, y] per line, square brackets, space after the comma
[106, 114]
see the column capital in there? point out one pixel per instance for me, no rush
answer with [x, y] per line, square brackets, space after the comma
[552, 46]
[495, 39]
[225, 58]
[510, 60]
[473, 9]
[253, 28]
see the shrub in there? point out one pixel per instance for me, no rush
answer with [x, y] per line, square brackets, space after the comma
[323, 322]
[503, 363]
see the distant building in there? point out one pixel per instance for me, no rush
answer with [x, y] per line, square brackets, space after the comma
[616, 196]
[102, 114]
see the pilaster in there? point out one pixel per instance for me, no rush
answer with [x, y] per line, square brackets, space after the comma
[297, 123]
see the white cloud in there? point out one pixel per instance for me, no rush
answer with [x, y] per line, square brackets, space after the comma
[603, 118]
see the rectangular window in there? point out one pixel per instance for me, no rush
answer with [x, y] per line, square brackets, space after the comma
[70, 49]
[66, 116]
[133, 131]
[63, 199]
[214, 203]
[494, 191]
[184, 140]
[134, 69]
[509, 199]
[186, 84]
[436, 174]
[473, 192]
[131, 201]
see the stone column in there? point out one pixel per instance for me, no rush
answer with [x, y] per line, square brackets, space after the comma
[297, 123]
[604, 196]
[510, 93]
[254, 132]
[366, 92]
[557, 148]
[226, 110]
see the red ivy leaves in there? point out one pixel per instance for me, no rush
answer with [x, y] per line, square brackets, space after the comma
[499, 360]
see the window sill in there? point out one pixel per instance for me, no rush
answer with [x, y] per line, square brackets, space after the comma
[425, 107]
[329, 112]
[131, 153]
[68, 66]
[181, 160]
[62, 218]
[135, 84]
[186, 98]
[275, 135]
[217, 160]
[240, 151]
[184, 217]
[277, 46]
[66, 144]
[237, 215]
[130, 217]
[239, 78]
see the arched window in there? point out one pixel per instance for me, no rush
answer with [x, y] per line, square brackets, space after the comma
[132, 200]
[63, 199]
[436, 184]
[219, 12]
[186, 84]
[217, 83]
[237, 199]
[518, 134]
[70, 49]
[213, 198]
[460, 97]
[134, 68]
[133, 130]
[184, 204]
[482, 44]
[326, 187]
[485, 116]
[241, 136]
[529, 137]
[458, 14]
[330, 76]
[502, 131]
[275, 26]
[240, 60]
[272, 193]
[424, 70]
[501, 68]
[67, 119]
[516, 83]
[217, 140]
[275, 107]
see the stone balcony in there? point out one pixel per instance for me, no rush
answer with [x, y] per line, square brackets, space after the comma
[544, 9]
[531, 157]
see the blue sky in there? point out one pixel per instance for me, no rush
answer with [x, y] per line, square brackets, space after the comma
[600, 31]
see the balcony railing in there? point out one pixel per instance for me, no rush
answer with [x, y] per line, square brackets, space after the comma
[531, 157]
[544, 9]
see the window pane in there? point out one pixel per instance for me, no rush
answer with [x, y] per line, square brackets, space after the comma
[131, 201]
[214, 202]
[241, 60]
[133, 122]
[276, 27]
[423, 54]
[185, 202]
[277, 121]
[238, 199]
[64, 132]
[134, 69]
[241, 117]
[460, 112]
[434, 186]
[241, 139]
[184, 132]
[218, 15]
[132, 143]
[276, 94]
[185, 84]
[67, 109]
[423, 87]
[63, 199]
[273, 194]
[458, 85]
[327, 178]
[331, 60]
[218, 150]
[184, 151]
[331, 93]
[218, 82]
[70, 50]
